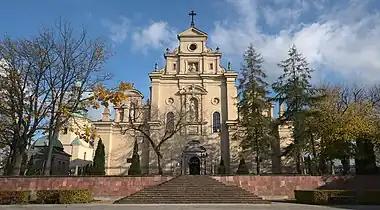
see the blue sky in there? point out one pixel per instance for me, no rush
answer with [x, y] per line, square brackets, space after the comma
[338, 37]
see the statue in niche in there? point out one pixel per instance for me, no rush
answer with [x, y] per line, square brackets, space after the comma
[193, 110]
[192, 67]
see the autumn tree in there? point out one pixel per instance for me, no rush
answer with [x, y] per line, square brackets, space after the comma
[24, 98]
[76, 78]
[45, 80]
[253, 104]
[293, 88]
[342, 120]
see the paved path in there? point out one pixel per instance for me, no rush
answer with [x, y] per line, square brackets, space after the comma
[279, 206]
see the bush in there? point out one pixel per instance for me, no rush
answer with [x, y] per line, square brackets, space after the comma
[64, 196]
[14, 197]
[322, 197]
[242, 167]
[370, 197]
[48, 196]
[75, 196]
[135, 169]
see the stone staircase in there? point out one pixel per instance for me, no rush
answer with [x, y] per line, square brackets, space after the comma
[188, 189]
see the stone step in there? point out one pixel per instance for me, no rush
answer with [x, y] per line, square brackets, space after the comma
[192, 189]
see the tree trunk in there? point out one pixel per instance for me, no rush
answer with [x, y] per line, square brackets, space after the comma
[53, 136]
[346, 165]
[160, 171]
[365, 161]
[276, 150]
[322, 167]
[17, 162]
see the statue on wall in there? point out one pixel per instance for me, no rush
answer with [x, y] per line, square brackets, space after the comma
[193, 110]
[192, 67]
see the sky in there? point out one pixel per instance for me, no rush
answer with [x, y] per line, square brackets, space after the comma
[339, 38]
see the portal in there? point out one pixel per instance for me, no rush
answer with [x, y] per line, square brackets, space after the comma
[195, 166]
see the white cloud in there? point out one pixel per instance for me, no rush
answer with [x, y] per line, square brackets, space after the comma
[158, 35]
[342, 40]
[118, 31]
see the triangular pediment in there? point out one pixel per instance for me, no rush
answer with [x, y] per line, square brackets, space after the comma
[191, 32]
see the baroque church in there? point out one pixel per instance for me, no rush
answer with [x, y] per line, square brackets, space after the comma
[192, 82]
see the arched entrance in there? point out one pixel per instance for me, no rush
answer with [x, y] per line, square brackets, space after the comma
[194, 166]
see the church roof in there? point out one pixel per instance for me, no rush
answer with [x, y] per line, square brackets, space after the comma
[76, 141]
[192, 32]
[44, 142]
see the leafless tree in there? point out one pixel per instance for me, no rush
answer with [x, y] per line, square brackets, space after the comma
[77, 70]
[156, 127]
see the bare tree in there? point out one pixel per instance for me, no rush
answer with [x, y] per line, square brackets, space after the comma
[77, 70]
[156, 127]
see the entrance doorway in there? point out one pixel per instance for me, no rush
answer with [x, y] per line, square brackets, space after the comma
[194, 166]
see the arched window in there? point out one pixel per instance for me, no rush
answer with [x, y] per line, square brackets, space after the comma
[132, 112]
[170, 121]
[84, 156]
[193, 109]
[216, 122]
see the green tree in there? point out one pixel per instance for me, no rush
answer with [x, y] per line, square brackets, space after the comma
[293, 88]
[242, 169]
[253, 103]
[98, 165]
[135, 169]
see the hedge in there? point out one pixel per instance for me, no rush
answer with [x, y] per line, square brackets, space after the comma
[14, 197]
[323, 197]
[64, 196]
[47, 197]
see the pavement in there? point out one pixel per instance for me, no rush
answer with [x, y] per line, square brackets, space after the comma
[282, 206]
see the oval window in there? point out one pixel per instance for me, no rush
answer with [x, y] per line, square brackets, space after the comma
[193, 47]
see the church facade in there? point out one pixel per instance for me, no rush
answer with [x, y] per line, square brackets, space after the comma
[190, 117]
[192, 86]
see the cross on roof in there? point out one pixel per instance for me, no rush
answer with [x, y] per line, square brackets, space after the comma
[192, 14]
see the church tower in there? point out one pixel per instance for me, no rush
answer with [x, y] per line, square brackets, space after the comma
[193, 81]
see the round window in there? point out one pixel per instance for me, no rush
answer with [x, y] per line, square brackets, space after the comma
[193, 47]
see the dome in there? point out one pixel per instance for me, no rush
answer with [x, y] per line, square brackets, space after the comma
[44, 141]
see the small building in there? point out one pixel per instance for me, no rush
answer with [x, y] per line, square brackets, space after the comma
[38, 156]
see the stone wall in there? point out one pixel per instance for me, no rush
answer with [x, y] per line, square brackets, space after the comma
[284, 186]
[264, 186]
[101, 186]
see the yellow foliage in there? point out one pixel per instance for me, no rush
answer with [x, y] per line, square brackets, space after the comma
[103, 96]
[343, 121]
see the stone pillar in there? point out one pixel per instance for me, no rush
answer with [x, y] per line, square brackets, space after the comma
[106, 115]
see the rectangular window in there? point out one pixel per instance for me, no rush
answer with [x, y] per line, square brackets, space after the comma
[65, 130]
[174, 66]
[211, 66]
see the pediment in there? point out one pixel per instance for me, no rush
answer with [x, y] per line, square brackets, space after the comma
[193, 89]
[192, 32]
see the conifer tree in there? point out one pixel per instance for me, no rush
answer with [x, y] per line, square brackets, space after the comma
[98, 167]
[293, 88]
[242, 169]
[135, 169]
[252, 103]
